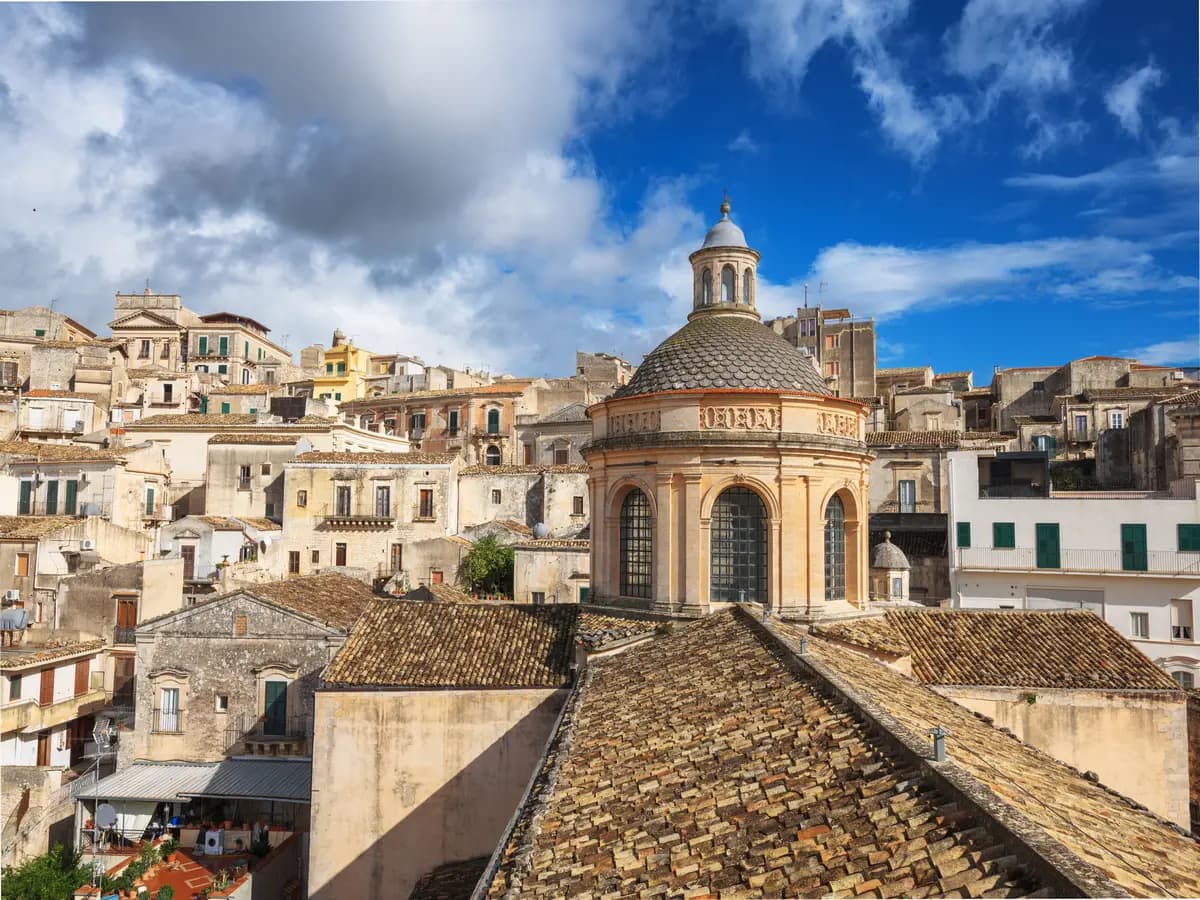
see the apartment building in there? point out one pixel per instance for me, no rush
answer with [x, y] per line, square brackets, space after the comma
[234, 347]
[842, 346]
[342, 370]
[1132, 558]
[153, 328]
[55, 415]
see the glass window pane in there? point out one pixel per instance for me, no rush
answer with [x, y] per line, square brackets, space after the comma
[637, 547]
[739, 547]
[835, 550]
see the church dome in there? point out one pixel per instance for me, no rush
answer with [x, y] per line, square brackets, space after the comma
[888, 556]
[724, 351]
[724, 233]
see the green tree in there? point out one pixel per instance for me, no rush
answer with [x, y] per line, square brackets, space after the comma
[488, 567]
[49, 877]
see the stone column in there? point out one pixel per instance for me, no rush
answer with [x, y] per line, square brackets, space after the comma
[693, 591]
[664, 543]
[792, 598]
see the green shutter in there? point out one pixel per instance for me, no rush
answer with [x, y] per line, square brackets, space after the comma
[1133, 548]
[72, 493]
[328, 368]
[149, 501]
[341, 368]
[583, 594]
[224, 408]
[1189, 538]
[1047, 546]
[964, 534]
[25, 500]
[203, 405]
[253, 410]
[1004, 535]
[203, 345]
[52, 498]
[223, 342]
[245, 350]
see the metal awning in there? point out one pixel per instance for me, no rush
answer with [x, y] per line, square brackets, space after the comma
[289, 781]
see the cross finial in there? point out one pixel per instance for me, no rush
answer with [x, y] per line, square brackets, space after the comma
[725, 203]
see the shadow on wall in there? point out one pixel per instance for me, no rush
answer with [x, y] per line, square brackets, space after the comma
[465, 818]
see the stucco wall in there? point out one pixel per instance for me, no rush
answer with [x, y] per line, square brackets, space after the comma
[224, 494]
[1136, 743]
[550, 572]
[404, 781]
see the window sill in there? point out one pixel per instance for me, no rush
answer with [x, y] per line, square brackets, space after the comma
[424, 518]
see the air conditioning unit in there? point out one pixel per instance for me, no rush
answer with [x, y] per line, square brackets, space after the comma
[12, 594]
[87, 544]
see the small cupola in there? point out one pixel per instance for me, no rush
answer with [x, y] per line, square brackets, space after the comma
[889, 571]
[724, 271]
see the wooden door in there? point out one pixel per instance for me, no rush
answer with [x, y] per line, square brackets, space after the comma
[46, 688]
[275, 708]
[43, 751]
[189, 561]
[339, 554]
[436, 576]
[81, 677]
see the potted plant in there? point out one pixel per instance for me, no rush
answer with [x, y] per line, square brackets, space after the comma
[221, 880]
[166, 892]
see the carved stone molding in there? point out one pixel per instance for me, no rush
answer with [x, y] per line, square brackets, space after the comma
[739, 418]
[633, 422]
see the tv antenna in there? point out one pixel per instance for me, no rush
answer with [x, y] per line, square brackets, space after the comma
[104, 733]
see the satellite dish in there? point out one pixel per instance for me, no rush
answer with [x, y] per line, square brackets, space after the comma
[106, 815]
[104, 733]
[540, 530]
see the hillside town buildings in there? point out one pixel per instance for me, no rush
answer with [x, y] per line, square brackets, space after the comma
[771, 619]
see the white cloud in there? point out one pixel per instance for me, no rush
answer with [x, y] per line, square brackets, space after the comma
[1169, 353]
[886, 280]
[743, 143]
[1124, 99]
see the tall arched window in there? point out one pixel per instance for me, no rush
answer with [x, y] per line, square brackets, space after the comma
[747, 278]
[706, 300]
[738, 559]
[493, 421]
[727, 281]
[835, 549]
[637, 545]
[492, 455]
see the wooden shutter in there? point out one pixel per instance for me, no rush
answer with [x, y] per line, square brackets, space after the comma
[46, 688]
[81, 677]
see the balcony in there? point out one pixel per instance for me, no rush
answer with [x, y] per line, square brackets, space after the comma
[251, 735]
[1092, 562]
[356, 521]
[124, 696]
[167, 721]
[29, 716]
[1082, 436]
[124, 635]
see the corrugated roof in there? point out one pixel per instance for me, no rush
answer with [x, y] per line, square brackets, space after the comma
[263, 779]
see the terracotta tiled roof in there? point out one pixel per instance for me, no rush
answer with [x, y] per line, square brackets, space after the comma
[336, 600]
[597, 629]
[258, 523]
[241, 389]
[1133, 393]
[524, 470]
[554, 544]
[986, 436]
[871, 633]
[194, 420]
[1009, 648]
[467, 645]
[30, 528]
[485, 390]
[375, 459]
[903, 370]
[924, 389]
[518, 527]
[977, 392]
[60, 395]
[1181, 399]
[152, 372]
[221, 523]
[1139, 852]
[36, 655]
[702, 764]
[913, 438]
[441, 593]
[572, 412]
[724, 351]
[1036, 420]
[249, 437]
[450, 881]
[946, 375]
[57, 452]
[1103, 359]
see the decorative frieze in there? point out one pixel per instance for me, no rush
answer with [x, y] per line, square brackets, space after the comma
[739, 418]
[838, 424]
[633, 422]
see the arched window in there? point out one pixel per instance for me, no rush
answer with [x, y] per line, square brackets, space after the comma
[747, 278]
[739, 547]
[492, 455]
[706, 299]
[637, 545]
[835, 549]
[493, 421]
[727, 279]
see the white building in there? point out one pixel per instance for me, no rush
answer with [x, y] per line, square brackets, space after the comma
[1132, 557]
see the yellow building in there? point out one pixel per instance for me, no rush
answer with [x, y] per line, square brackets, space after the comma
[344, 368]
[725, 471]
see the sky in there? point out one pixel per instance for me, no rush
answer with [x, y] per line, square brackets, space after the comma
[996, 182]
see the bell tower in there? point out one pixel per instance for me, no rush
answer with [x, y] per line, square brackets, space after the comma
[724, 271]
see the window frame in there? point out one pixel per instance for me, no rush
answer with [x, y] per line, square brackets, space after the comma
[962, 528]
[999, 541]
[1142, 619]
[635, 530]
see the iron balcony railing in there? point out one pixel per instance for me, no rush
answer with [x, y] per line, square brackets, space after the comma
[247, 727]
[168, 721]
[1016, 559]
[124, 635]
[124, 696]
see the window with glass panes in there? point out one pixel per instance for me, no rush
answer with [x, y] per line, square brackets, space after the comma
[835, 550]
[636, 545]
[738, 558]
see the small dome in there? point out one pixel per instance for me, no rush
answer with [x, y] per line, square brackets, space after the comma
[888, 556]
[724, 233]
[724, 351]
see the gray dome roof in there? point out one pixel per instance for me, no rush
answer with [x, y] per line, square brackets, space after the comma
[724, 351]
[724, 234]
[888, 556]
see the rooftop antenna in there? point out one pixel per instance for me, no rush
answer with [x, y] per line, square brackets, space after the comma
[806, 295]
[284, 337]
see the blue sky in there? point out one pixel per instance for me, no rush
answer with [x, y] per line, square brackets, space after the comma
[998, 182]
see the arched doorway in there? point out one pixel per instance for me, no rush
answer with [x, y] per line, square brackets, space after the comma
[738, 558]
[835, 549]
